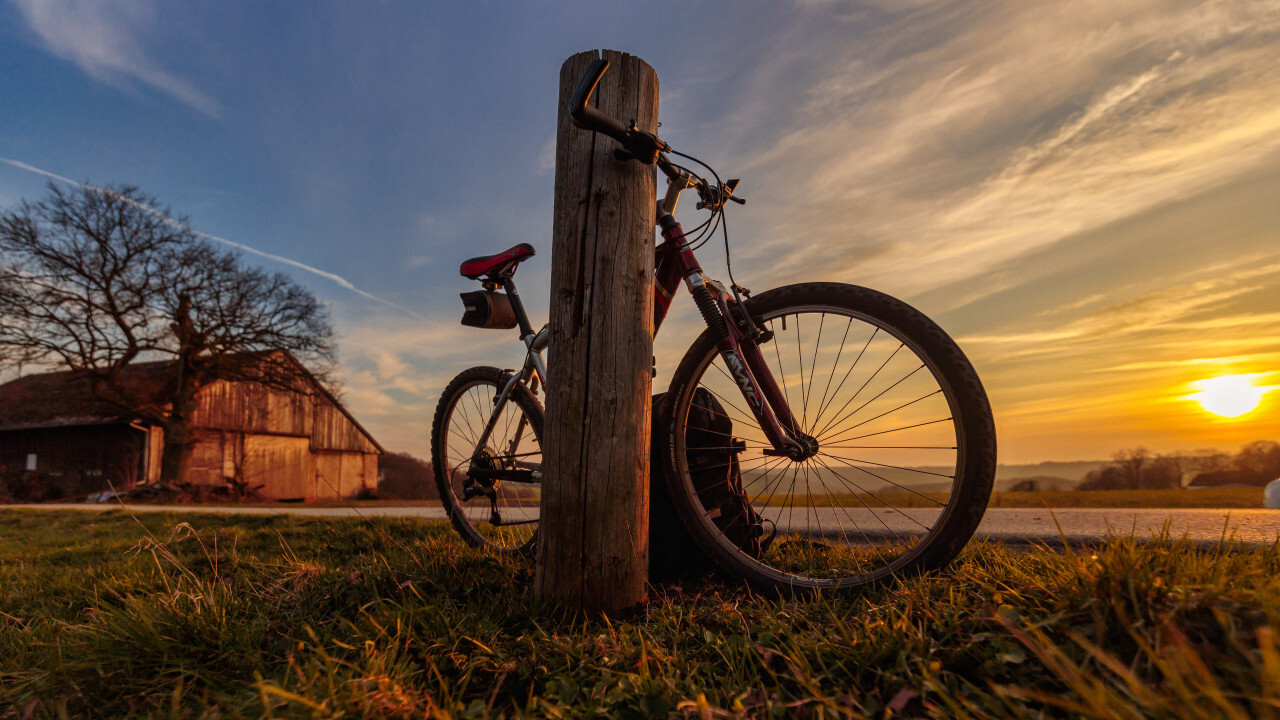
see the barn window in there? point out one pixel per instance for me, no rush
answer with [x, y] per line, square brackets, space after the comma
[31, 461]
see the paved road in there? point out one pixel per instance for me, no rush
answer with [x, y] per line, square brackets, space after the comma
[1078, 525]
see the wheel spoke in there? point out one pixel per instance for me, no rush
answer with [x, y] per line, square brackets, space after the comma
[513, 443]
[888, 451]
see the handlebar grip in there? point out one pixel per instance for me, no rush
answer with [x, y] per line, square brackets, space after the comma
[587, 117]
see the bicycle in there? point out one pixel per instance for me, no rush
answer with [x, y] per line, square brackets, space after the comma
[868, 456]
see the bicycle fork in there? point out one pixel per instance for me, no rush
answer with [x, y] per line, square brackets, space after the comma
[738, 340]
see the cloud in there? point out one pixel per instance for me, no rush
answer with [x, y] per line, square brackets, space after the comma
[393, 372]
[104, 39]
[975, 134]
[1188, 306]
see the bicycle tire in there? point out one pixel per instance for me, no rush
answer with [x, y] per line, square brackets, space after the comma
[924, 430]
[461, 414]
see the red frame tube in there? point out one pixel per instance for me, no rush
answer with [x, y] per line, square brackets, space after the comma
[673, 262]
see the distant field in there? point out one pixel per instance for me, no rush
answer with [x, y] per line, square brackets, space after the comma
[1206, 498]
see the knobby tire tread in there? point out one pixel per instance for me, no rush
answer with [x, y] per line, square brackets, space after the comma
[972, 488]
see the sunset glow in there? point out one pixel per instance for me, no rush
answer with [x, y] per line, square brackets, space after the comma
[1082, 195]
[1229, 396]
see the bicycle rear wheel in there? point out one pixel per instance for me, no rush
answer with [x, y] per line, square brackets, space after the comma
[490, 492]
[905, 443]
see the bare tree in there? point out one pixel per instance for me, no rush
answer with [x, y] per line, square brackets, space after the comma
[1260, 459]
[1131, 462]
[1107, 477]
[1161, 472]
[94, 280]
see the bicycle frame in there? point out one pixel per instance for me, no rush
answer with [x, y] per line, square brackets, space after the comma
[739, 346]
[674, 263]
[535, 366]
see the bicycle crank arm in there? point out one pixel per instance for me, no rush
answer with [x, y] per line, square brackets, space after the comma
[499, 522]
[523, 477]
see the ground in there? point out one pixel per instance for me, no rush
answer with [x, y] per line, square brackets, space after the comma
[108, 615]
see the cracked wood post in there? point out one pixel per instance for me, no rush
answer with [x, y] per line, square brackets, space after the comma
[593, 540]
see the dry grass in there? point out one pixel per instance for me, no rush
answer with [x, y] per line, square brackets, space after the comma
[290, 617]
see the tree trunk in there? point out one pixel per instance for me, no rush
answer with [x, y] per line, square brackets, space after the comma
[175, 462]
[593, 540]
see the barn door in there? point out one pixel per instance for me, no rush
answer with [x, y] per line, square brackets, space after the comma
[282, 465]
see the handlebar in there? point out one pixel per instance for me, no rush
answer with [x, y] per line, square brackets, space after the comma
[587, 117]
[638, 144]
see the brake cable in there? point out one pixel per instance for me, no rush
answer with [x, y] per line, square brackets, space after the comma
[720, 222]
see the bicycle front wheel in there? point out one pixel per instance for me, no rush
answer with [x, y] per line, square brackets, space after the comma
[491, 491]
[903, 447]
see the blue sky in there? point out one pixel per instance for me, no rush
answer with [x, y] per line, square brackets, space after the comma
[1084, 194]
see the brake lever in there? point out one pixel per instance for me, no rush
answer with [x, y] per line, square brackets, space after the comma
[719, 195]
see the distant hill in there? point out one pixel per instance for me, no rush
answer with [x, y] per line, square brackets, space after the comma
[1048, 475]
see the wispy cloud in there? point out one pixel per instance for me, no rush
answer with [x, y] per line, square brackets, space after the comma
[393, 374]
[1189, 304]
[333, 277]
[105, 38]
[973, 137]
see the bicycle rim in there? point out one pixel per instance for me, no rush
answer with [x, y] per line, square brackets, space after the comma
[905, 443]
[499, 513]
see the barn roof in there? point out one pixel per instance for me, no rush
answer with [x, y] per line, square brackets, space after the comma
[66, 399]
[1227, 478]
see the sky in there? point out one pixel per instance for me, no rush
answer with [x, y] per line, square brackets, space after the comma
[1085, 195]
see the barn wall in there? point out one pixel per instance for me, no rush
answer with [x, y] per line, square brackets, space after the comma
[252, 408]
[333, 430]
[371, 472]
[298, 446]
[328, 475]
[207, 459]
[73, 461]
[344, 474]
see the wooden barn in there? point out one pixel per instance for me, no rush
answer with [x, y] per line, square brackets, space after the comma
[297, 444]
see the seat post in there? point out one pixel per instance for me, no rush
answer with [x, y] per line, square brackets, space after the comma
[509, 284]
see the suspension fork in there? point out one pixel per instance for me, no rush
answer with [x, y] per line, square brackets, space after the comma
[741, 353]
[747, 365]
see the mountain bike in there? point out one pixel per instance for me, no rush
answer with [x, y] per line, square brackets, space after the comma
[861, 435]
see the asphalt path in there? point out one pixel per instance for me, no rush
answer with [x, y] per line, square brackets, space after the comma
[1017, 526]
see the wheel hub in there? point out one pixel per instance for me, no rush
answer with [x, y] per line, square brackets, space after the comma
[808, 447]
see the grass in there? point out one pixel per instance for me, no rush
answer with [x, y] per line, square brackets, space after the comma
[281, 616]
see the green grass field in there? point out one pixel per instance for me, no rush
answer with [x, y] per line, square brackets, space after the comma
[105, 616]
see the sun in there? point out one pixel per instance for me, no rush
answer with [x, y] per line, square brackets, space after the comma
[1229, 396]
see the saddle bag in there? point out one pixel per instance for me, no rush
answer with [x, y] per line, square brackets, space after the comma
[712, 456]
[486, 309]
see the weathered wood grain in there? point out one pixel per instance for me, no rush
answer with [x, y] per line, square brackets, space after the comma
[593, 540]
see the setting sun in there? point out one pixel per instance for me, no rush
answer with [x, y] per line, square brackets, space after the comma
[1229, 396]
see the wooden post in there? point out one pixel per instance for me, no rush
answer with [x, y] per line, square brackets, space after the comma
[593, 541]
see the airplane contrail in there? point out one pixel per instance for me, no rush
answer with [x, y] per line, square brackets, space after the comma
[341, 281]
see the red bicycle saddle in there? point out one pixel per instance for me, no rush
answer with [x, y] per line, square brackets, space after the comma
[501, 265]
